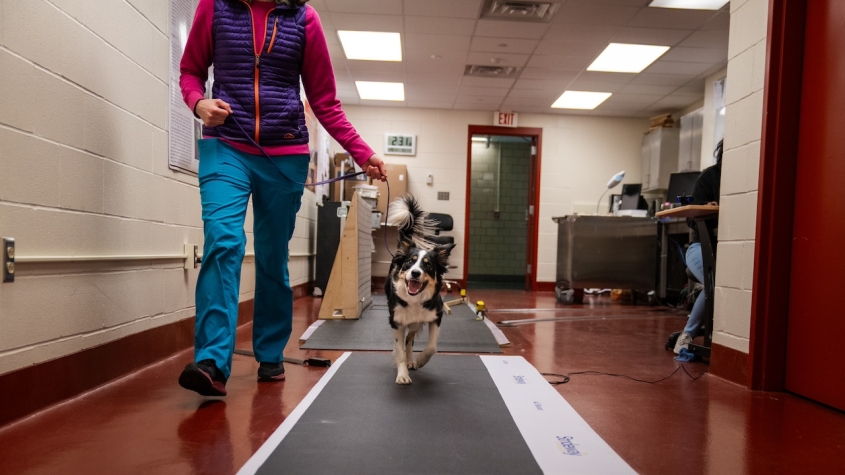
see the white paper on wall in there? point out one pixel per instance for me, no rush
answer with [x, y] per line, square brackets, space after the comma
[183, 128]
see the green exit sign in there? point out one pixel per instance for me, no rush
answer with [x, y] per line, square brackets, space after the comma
[400, 144]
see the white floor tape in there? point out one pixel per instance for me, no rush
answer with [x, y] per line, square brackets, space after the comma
[310, 330]
[560, 440]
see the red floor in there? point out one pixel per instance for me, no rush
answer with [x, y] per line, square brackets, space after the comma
[146, 423]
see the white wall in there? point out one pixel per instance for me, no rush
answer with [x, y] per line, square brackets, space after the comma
[83, 157]
[579, 155]
[708, 131]
[741, 165]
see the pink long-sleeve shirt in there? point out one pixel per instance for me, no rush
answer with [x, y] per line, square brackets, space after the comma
[317, 78]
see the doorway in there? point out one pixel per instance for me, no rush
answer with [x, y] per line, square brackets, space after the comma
[502, 203]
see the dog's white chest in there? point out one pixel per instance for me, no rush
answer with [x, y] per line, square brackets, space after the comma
[413, 314]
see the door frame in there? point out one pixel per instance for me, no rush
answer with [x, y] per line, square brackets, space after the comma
[534, 192]
[776, 194]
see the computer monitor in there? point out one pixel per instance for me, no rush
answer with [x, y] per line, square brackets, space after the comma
[631, 196]
[680, 184]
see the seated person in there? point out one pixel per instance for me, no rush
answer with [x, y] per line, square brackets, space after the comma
[706, 191]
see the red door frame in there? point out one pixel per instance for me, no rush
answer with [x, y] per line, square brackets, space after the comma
[534, 191]
[776, 194]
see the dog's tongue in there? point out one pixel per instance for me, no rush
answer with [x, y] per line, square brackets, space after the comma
[414, 286]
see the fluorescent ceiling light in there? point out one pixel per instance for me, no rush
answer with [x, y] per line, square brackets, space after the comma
[479, 139]
[381, 91]
[371, 45]
[580, 100]
[623, 58]
[689, 4]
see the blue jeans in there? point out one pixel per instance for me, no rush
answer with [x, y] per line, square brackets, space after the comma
[696, 265]
[227, 178]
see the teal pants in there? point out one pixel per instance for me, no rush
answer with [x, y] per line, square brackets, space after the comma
[227, 179]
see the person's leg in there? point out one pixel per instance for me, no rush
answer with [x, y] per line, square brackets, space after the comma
[695, 262]
[224, 191]
[277, 196]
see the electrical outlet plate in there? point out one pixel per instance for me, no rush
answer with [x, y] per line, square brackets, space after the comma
[8, 259]
[443, 195]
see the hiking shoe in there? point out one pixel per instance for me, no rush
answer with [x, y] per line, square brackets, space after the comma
[203, 377]
[683, 342]
[271, 372]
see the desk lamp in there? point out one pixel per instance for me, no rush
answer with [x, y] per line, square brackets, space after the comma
[617, 179]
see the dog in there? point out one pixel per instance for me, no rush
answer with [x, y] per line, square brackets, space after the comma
[413, 285]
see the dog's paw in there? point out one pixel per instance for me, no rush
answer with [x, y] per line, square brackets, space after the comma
[412, 365]
[403, 379]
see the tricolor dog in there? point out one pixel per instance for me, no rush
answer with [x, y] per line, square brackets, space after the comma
[413, 285]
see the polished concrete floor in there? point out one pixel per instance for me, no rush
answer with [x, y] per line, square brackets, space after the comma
[146, 423]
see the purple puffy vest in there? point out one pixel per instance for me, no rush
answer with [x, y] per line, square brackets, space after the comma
[262, 89]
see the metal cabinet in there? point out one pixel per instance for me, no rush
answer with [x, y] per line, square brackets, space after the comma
[659, 157]
[689, 154]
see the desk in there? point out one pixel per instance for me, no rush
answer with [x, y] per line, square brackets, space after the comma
[704, 216]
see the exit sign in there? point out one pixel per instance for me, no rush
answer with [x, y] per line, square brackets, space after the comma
[505, 119]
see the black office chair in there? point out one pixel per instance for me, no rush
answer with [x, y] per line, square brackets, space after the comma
[444, 223]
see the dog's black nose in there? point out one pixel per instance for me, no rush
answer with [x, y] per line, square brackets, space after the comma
[416, 273]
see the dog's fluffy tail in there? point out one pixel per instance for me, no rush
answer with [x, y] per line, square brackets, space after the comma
[415, 227]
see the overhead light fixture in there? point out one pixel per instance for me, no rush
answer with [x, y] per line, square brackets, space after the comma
[371, 45]
[689, 4]
[625, 58]
[580, 100]
[381, 91]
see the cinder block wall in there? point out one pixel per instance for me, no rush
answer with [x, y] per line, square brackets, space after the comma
[498, 246]
[83, 160]
[740, 173]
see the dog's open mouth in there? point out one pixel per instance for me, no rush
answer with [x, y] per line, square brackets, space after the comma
[414, 286]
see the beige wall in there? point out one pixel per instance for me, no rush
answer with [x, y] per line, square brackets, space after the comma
[579, 155]
[741, 163]
[83, 156]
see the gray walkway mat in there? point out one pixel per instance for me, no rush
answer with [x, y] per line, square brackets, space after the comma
[460, 332]
[451, 420]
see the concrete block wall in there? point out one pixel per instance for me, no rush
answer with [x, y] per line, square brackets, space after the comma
[83, 128]
[740, 172]
[579, 155]
[498, 246]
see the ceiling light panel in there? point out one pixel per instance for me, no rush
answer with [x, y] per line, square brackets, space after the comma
[580, 100]
[689, 4]
[381, 91]
[371, 45]
[626, 58]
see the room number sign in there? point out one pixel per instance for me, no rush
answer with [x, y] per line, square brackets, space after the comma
[400, 144]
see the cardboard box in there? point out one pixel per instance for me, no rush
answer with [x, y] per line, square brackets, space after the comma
[398, 176]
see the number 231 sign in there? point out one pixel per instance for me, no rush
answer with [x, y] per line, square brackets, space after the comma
[400, 144]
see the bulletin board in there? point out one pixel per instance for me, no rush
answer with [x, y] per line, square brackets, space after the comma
[183, 128]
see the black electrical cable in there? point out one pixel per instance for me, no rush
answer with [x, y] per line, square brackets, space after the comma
[565, 378]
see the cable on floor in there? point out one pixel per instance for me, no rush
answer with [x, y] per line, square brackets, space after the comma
[564, 378]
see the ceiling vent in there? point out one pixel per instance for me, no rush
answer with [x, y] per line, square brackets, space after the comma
[490, 71]
[515, 10]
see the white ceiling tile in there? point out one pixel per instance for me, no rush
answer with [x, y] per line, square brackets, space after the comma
[487, 59]
[430, 104]
[511, 29]
[581, 33]
[558, 63]
[697, 55]
[585, 84]
[707, 39]
[495, 45]
[647, 89]
[721, 22]
[326, 20]
[319, 5]
[486, 82]
[571, 48]
[540, 84]
[549, 96]
[383, 103]
[517, 102]
[639, 100]
[444, 68]
[385, 7]
[434, 80]
[472, 106]
[415, 91]
[549, 74]
[359, 22]
[594, 14]
[439, 25]
[350, 101]
[465, 99]
[676, 18]
[650, 36]
[601, 78]
[424, 56]
[689, 91]
[499, 92]
[673, 67]
[377, 76]
[603, 110]
[387, 67]
[436, 43]
[661, 79]
[444, 8]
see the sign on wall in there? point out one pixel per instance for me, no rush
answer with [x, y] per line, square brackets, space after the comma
[505, 119]
[400, 144]
[183, 128]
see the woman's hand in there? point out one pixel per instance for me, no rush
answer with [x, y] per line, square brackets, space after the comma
[374, 167]
[213, 112]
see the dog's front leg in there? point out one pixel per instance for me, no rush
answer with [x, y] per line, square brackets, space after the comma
[402, 376]
[430, 348]
[409, 348]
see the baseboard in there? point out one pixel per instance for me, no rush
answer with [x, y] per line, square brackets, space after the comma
[546, 286]
[40, 386]
[729, 364]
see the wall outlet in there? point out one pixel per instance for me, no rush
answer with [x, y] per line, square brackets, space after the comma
[443, 195]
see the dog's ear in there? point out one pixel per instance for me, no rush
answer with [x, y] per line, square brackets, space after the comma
[443, 252]
[403, 248]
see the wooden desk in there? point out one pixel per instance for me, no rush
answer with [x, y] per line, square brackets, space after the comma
[704, 216]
